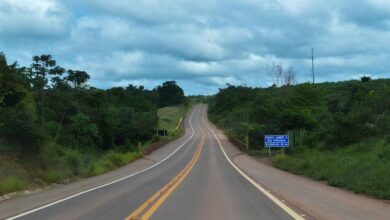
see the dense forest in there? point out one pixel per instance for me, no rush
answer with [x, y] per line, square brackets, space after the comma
[339, 131]
[54, 126]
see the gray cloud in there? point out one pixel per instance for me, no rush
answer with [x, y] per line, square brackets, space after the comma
[202, 44]
[32, 20]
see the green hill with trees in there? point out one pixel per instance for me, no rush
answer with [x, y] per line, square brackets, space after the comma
[54, 127]
[339, 131]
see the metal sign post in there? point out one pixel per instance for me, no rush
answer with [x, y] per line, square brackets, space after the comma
[161, 132]
[269, 151]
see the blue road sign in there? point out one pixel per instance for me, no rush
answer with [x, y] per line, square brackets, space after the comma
[276, 141]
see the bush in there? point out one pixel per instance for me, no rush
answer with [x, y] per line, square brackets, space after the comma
[74, 160]
[115, 159]
[53, 166]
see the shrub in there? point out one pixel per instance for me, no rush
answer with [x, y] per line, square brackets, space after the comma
[74, 160]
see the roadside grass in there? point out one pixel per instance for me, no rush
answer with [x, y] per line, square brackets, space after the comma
[112, 160]
[361, 168]
[73, 163]
[169, 119]
[54, 167]
[12, 176]
[11, 184]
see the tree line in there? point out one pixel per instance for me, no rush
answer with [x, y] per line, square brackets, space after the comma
[326, 115]
[45, 105]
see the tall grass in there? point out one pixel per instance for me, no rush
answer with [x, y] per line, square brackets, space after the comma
[110, 161]
[12, 175]
[56, 165]
[11, 184]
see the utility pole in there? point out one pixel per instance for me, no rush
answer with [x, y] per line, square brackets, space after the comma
[312, 63]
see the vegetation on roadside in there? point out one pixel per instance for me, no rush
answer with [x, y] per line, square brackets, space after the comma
[170, 118]
[54, 127]
[362, 167]
[339, 132]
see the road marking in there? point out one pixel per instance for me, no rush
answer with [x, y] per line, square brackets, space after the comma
[149, 207]
[178, 124]
[110, 183]
[283, 206]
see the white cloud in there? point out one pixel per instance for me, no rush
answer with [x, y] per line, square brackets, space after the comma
[294, 7]
[199, 67]
[203, 44]
[384, 4]
[23, 18]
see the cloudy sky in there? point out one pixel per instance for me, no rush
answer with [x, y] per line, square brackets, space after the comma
[202, 44]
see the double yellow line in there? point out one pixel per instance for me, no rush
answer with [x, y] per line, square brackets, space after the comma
[146, 210]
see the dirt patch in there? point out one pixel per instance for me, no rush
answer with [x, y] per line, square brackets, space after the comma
[241, 146]
[154, 146]
[265, 160]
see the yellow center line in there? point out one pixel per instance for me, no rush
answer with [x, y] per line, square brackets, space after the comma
[155, 201]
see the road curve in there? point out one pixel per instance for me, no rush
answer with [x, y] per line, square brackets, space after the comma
[191, 179]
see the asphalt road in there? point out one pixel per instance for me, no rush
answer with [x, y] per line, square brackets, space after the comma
[191, 179]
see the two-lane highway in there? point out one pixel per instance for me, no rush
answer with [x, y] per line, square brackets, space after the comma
[215, 190]
[195, 180]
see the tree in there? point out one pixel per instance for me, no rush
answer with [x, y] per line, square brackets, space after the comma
[275, 71]
[170, 94]
[365, 79]
[85, 130]
[42, 67]
[280, 76]
[12, 83]
[77, 78]
[17, 110]
[289, 77]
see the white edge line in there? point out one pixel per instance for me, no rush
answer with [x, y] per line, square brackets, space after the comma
[107, 184]
[287, 209]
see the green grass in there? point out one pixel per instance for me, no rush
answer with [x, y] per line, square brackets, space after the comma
[169, 118]
[112, 160]
[54, 175]
[11, 184]
[12, 175]
[58, 169]
[362, 168]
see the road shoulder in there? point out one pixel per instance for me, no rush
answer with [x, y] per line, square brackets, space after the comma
[317, 198]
